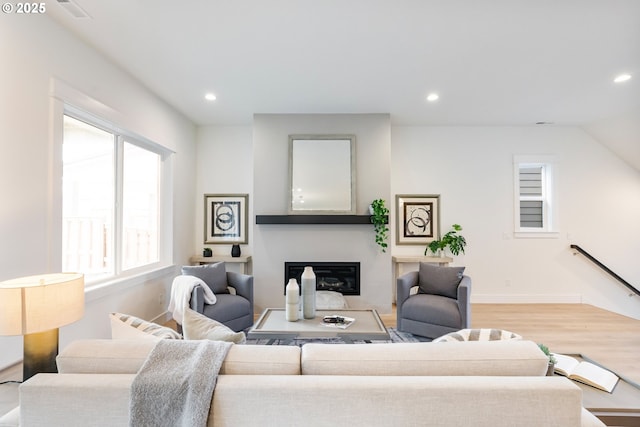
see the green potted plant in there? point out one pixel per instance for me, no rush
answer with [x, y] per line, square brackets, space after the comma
[452, 240]
[380, 218]
[552, 360]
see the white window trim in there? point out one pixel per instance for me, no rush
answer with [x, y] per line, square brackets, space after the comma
[66, 100]
[550, 229]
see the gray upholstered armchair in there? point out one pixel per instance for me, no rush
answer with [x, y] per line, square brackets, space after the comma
[232, 308]
[441, 304]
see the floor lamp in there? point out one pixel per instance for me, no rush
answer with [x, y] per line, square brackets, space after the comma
[36, 306]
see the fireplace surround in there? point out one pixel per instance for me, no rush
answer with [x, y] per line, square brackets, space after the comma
[343, 277]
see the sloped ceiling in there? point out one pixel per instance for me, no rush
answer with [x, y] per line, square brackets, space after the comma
[493, 62]
[621, 134]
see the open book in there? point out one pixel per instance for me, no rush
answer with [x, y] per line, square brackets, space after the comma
[585, 372]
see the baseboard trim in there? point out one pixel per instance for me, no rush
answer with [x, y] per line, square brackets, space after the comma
[525, 299]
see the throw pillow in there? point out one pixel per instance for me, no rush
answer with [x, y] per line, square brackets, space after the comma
[478, 335]
[214, 275]
[124, 326]
[196, 326]
[437, 280]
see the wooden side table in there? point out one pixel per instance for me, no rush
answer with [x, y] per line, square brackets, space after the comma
[243, 261]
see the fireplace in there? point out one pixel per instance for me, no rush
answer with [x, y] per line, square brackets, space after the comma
[343, 277]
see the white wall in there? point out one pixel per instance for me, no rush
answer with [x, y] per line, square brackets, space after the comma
[32, 52]
[224, 165]
[471, 168]
[620, 134]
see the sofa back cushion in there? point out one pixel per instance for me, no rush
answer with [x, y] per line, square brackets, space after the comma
[127, 356]
[262, 360]
[477, 358]
[124, 356]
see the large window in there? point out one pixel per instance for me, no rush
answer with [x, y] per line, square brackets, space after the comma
[111, 200]
[535, 210]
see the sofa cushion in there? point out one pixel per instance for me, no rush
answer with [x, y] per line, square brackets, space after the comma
[214, 275]
[437, 280]
[228, 307]
[479, 335]
[104, 356]
[480, 358]
[433, 309]
[125, 326]
[195, 326]
[262, 360]
[101, 356]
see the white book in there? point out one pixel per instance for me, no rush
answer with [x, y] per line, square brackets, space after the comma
[585, 372]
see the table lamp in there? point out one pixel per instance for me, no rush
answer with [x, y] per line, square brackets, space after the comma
[36, 306]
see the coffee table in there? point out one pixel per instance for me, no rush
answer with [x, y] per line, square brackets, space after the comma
[273, 325]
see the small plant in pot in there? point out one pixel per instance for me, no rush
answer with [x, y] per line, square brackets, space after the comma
[552, 360]
[452, 240]
[379, 218]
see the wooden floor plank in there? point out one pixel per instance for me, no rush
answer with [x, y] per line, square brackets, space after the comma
[608, 338]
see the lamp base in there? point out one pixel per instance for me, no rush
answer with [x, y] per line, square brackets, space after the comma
[40, 351]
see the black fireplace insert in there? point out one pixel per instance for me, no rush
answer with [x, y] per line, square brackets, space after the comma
[343, 277]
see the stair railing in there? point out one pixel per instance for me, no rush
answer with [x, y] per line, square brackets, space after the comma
[606, 269]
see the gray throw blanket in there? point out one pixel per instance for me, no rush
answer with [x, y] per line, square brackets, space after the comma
[175, 385]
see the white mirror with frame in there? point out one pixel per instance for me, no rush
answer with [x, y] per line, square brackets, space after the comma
[322, 174]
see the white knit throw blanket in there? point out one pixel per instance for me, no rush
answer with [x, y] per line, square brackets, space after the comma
[181, 290]
[175, 385]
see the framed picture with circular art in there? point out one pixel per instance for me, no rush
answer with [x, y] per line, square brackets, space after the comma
[417, 218]
[226, 218]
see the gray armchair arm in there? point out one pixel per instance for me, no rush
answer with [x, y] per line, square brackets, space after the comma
[464, 301]
[243, 284]
[404, 284]
[197, 299]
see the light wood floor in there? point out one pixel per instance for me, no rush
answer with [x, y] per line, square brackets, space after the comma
[608, 338]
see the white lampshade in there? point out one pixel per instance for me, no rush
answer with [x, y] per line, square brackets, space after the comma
[39, 303]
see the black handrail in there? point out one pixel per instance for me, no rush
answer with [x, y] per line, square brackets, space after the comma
[605, 268]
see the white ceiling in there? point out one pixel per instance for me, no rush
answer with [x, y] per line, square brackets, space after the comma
[493, 62]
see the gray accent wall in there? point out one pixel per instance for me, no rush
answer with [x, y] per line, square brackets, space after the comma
[274, 244]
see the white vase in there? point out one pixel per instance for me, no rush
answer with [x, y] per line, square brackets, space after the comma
[292, 300]
[308, 293]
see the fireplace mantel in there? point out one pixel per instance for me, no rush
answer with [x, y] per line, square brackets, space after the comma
[313, 219]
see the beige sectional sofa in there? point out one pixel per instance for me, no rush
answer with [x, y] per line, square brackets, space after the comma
[498, 383]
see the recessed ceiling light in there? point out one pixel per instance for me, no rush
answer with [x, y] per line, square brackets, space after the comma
[210, 97]
[622, 78]
[432, 97]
